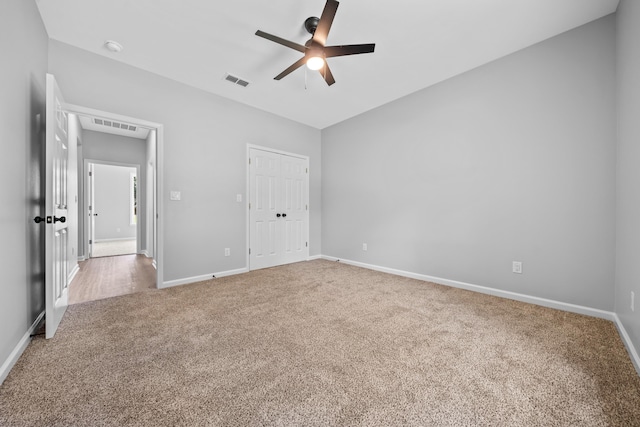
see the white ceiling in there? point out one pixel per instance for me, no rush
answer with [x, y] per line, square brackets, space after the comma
[418, 44]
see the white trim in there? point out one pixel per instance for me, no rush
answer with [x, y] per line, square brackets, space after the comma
[117, 239]
[82, 258]
[314, 257]
[145, 253]
[573, 308]
[19, 349]
[73, 273]
[202, 278]
[626, 339]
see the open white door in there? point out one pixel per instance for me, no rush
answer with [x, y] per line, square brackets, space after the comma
[56, 234]
[91, 208]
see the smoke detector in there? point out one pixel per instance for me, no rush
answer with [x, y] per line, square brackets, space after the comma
[113, 46]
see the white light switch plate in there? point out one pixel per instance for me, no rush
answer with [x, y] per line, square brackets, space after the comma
[175, 195]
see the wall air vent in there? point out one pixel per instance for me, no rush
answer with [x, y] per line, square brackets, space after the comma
[237, 80]
[116, 125]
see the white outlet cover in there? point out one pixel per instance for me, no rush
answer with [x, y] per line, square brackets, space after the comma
[239, 198]
[175, 195]
[517, 267]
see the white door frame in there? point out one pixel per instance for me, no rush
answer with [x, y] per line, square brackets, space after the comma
[87, 202]
[248, 193]
[159, 175]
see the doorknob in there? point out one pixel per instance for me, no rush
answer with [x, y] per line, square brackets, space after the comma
[38, 219]
[278, 215]
[284, 215]
[62, 219]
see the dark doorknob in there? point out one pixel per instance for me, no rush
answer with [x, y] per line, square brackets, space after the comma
[62, 219]
[38, 219]
[278, 215]
[284, 215]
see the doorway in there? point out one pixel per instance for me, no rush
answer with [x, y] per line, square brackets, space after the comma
[120, 226]
[112, 208]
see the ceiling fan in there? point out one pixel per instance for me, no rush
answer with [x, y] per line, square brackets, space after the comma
[315, 51]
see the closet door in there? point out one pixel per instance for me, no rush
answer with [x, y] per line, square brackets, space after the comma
[278, 209]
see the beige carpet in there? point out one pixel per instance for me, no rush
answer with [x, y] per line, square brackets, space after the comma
[320, 344]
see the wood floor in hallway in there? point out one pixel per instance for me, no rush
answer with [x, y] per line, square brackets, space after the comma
[106, 277]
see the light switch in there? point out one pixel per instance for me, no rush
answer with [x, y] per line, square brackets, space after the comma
[239, 198]
[175, 195]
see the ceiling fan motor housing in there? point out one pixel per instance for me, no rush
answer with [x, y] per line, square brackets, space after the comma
[311, 23]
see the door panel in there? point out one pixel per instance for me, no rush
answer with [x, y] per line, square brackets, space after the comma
[56, 235]
[278, 209]
[264, 231]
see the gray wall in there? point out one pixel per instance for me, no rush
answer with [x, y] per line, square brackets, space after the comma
[112, 202]
[628, 202]
[115, 149]
[512, 161]
[205, 138]
[23, 43]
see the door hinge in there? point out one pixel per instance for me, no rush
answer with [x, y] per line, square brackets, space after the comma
[307, 170]
[90, 173]
[249, 205]
[306, 244]
[249, 160]
[249, 251]
[90, 242]
[306, 207]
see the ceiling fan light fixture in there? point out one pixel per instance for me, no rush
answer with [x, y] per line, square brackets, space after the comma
[315, 63]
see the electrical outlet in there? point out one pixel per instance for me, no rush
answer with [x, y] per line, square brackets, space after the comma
[227, 252]
[517, 267]
[633, 302]
[364, 246]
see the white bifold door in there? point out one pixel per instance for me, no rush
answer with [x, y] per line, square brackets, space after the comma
[278, 209]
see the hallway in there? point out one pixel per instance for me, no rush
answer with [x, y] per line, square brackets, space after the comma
[107, 277]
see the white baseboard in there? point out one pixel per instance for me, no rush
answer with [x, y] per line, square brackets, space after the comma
[73, 273]
[145, 253]
[154, 264]
[19, 349]
[314, 257]
[572, 308]
[82, 258]
[195, 279]
[588, 311]
[117, 239]
[626, 339]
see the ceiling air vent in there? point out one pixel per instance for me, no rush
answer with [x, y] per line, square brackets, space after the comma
[116, 125]
[237, 80]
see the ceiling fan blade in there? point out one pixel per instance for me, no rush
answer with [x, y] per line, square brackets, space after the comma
[327, 74]
[280, 40]
[326, 19]
[352, 49]
[299, 63]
